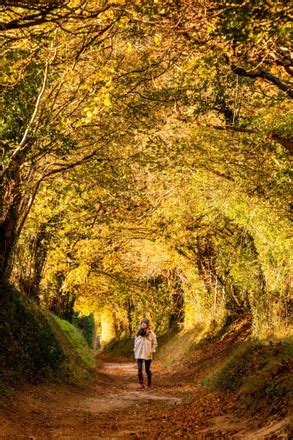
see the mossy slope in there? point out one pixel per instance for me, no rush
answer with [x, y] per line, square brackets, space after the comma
[37, 345]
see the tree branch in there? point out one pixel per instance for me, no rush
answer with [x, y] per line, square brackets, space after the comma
[287, 143]
[264, 75]
[21, 145]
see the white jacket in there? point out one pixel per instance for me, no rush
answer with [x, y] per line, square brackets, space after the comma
[145, 346]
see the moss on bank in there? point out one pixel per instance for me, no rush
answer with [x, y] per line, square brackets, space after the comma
[227, 358]
[36, 345]
[258, 374]
[79, 362]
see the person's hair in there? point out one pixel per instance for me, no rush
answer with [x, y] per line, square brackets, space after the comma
[143, 331]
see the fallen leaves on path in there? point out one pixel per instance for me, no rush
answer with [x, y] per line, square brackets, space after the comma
[177, 407]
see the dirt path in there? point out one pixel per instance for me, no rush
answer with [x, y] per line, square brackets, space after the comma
[113, 408]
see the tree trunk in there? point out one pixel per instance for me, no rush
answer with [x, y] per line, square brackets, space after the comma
[9, 204]
[177, 315]
[30, 280]
[130, 310]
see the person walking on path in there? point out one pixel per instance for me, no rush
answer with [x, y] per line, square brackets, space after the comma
[145, 344]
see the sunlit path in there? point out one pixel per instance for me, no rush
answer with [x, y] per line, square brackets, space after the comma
[112, 407]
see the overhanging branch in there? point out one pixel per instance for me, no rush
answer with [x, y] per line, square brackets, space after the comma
[264, 75]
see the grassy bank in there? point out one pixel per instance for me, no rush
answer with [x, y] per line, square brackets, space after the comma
[36, 345]
[254, 374]
[79, 363]
[257, 374]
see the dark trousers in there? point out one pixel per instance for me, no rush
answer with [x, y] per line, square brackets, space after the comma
[147, 364]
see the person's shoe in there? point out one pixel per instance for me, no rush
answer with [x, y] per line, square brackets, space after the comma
[141, 381]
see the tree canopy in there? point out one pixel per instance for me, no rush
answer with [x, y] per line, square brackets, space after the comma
[145, 158]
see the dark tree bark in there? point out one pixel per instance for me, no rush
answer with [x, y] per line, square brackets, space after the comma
[62, 303]
[264, 74]
[177, 315]
[130, 309]
[10, 200]
[30, 282]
